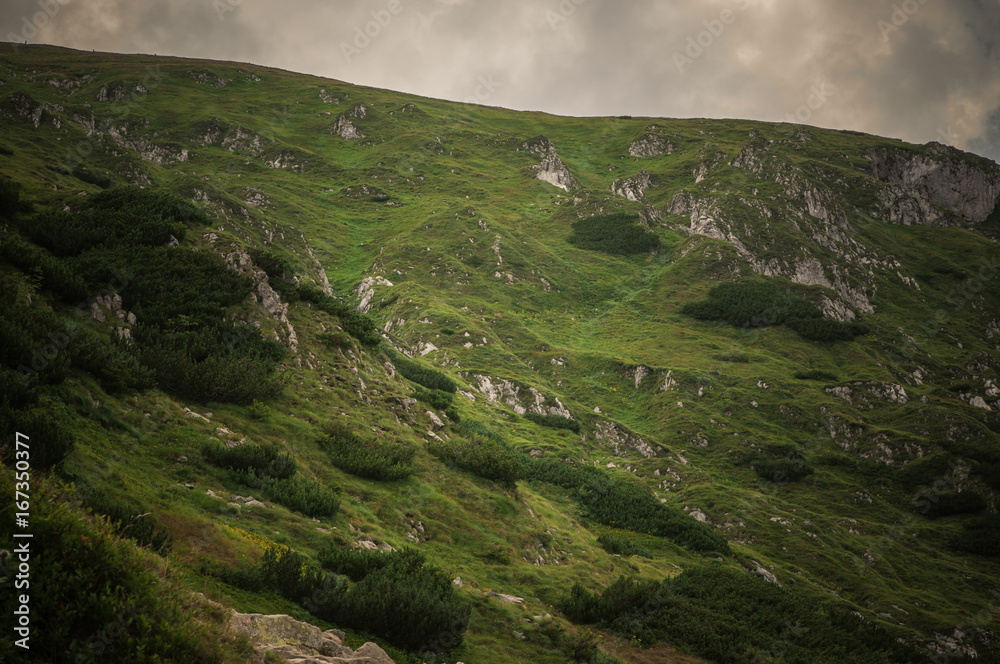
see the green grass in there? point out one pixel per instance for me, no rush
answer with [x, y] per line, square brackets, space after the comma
[727, 412]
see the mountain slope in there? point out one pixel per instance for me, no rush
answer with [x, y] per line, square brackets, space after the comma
[860, 471]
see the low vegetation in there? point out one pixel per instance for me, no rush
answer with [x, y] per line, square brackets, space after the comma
[752, 304]
[618, 233]
[367, 457]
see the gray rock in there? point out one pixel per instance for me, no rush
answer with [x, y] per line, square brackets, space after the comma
[650, 145]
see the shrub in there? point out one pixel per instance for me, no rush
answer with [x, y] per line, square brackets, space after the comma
[369, 458]
[336, 339]
[396, 596]
[726, 615]
[99, 179]
[307, 496]
[980, 537]
[617, 233]
[435, 398]
[432, 379]
[619, 503]
[130, 518]
[358, 325]
[50, 442]
[762, 304]
[950, 503]
[554, 421]
[487, 457]
[10, 196]
[786, 469]
[621, 546]
[86, 580]
[265, 461]
[815, 374]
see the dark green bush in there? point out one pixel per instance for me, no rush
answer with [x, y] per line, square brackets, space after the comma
[617, 233]
[99, 179]
[782, 470]
[432, 379]
[435, 398]
[56, 275]
[180, 297]
[130, 518]
[265, 461]
[355, 565]
[980, 537]
[307, 496]
[815, 374]
[726, 615]
[10, 197]
[50, 441]
[369, 458]
[396, 596]
[990, 472]
[88, 583]
[621, 546]
[554, 421]
[358, 325]
[336, 339]
[488, 457]
[619, 503]
[762, 304]
[123, 216]
[934, 504]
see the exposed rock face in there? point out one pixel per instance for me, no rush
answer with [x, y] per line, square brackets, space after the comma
[551, 169]
[366, 291]
[650, 145]
[344, 128]
[860, 393]
[942, 176]
[523, 399]
[240, 261]
[634, 187]
[21, 105]
[301, 643]
[621, 440]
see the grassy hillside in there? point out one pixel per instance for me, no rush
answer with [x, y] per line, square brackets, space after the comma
[693, 390]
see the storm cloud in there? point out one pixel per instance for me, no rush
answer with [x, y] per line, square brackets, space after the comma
[919, 70]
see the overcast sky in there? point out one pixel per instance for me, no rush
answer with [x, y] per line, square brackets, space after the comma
[920, 70]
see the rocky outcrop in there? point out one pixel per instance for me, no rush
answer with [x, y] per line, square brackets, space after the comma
[299, 642]
[522, 398]
[622, 441]
[956, 181]
[650, 145]
[634, 187]
[551, 169]
[869, 394]
[20, 105]
[366, 291]
[269, 300]
[344, 128]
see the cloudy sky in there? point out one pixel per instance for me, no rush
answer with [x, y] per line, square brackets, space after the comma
[920, 70]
